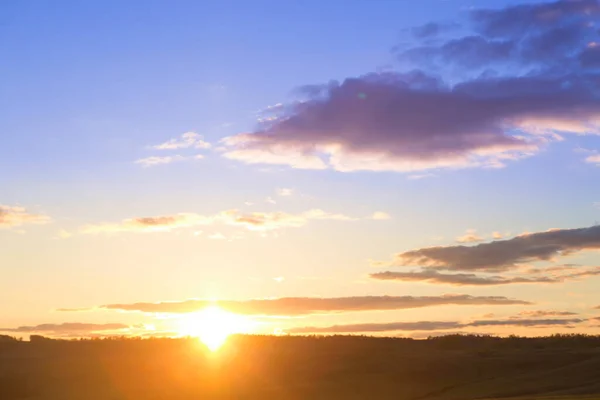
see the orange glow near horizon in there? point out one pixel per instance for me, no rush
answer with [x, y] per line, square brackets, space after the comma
[213, 326]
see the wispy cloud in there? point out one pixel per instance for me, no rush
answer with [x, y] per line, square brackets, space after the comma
[67, 327]
[185, 141]
[284, 192]
[254, 221]
[544, 313]
[316, 305]
[433, 325]
[15, 216]
[432, 276]
[159, 160]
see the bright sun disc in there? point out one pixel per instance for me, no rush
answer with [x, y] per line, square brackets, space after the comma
[213, 326]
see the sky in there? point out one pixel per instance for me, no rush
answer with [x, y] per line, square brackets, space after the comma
[380, 168]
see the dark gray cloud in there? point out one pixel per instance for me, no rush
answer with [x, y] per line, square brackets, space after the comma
[590, 57]
[432, 276]
[433, 325]
[429, 30]
[525, 19]
[67, 327]
[316, 305]
[541, 36]
[469, 51]
[502, 255]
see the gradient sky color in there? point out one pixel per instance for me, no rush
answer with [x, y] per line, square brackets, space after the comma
[138, 163]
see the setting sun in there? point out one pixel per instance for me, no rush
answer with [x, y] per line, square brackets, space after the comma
[213, 326]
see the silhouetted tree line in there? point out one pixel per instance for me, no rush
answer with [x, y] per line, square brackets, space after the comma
[452, 341]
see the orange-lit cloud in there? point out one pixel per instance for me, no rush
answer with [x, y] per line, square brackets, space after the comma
[150, 224]
[289, 306]
[470, 237]
[254, 221]
[67, 327]
[14, 216]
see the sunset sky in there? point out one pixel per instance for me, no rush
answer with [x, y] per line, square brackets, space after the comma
[375, 167]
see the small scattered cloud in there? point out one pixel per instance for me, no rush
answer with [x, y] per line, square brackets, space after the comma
[16, 216]
[497, 235]
[284, 192]
[185, 141]
[159, 160]
[470, 237]
[415, 177]
[316, 305]
[78, 309]
[595, 159]
[380, 215]
[217, 236]
[270, 200]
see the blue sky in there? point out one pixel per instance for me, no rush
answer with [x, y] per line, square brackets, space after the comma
[88, 88]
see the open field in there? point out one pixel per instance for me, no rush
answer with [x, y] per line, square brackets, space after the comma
[264, 367]
[568, 397]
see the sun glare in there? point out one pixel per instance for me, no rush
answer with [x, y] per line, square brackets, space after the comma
[213, 326]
